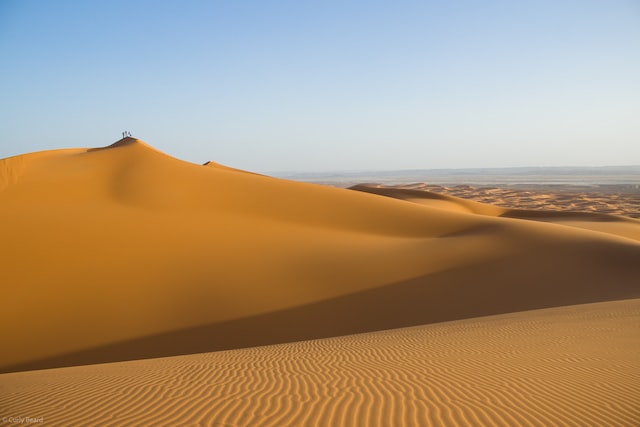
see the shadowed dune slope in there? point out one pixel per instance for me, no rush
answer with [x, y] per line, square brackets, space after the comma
[573, 366]
[125, 252]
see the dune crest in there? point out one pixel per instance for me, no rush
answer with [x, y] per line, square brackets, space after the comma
[215, 165]
[128, 140]
[124, 251]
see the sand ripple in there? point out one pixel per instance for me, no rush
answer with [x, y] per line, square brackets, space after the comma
[570, 366]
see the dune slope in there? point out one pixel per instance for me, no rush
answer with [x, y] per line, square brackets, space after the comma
[574, 366]
[124, 252]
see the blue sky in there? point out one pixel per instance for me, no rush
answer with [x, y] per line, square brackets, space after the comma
[327, 85]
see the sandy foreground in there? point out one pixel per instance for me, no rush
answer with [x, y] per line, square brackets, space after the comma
[574, 366]
[120, 257]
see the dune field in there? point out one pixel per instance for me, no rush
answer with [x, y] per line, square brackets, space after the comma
[621, 199]
[139, 289]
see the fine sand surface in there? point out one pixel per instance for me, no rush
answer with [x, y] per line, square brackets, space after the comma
[124, 253]
[568, 366]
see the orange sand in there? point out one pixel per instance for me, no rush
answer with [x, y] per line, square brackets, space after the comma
[616, 200]
[556, 211]
[126, 253]
[568, 366]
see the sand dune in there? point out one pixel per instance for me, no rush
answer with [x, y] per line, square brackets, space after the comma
[595, 221]
[124, 252]
[573, 366]
[623, 199]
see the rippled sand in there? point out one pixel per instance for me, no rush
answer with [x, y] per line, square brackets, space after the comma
[574, 365]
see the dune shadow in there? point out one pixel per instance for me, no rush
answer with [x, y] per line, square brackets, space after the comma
[400, 193]
[568, 275]
[546, 215]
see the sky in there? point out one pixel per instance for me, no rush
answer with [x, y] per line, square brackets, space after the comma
[327, 85]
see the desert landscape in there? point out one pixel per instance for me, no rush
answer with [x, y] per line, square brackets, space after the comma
[140, 289]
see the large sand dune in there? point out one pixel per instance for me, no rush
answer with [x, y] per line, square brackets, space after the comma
[124, 253]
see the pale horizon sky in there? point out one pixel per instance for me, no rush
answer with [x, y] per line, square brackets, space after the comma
[309, 86]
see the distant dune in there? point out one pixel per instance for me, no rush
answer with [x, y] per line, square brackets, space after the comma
[607, 223]
[123, 253]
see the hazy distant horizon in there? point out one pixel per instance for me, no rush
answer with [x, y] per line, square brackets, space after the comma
[601, 176]
[631, 168]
